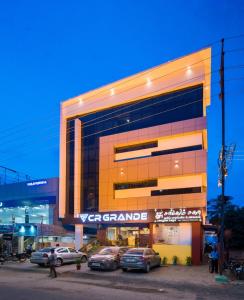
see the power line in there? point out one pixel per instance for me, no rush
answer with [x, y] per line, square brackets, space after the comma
[140, 74]
[130, 105]
[234, 37]
[166, 87]
[48, 138]
[143, 72]
[103, 116]
[137, 120]
[135, 103]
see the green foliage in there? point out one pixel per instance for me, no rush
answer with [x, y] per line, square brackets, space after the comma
[174, 260]
[234, 221]
[188, 261]
[78, 261]
[165, 260]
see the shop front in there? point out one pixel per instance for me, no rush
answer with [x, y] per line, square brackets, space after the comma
[171, 232]
[127, 235]
[29, 215]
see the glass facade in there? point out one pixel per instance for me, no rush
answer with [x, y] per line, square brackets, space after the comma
[172, 107]
[20, 214]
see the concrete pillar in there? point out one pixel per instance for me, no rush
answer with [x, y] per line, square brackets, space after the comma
[150, 235]
[20, 244]
[78, 236]
[196, 243]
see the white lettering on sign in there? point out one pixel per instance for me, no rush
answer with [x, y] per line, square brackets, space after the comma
[114, 217]
[33, 183]
[178, 215]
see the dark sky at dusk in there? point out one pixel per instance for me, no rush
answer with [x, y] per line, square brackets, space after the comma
[52, 50]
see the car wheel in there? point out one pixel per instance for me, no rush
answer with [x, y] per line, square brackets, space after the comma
[41, 265]
[59, 262]
[115, 265]
[83, 259]
[159, 263]
[124, 269]
[147, 268]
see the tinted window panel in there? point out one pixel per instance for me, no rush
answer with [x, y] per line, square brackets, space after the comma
[176, 106]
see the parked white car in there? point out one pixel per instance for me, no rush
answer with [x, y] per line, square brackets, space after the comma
[64, 255]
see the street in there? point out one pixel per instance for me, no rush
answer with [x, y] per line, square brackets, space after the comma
[27, 282]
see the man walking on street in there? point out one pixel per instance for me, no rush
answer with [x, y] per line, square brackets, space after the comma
[52, 263]
[214, 255]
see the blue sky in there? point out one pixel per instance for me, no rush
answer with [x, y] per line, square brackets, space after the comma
[53, 50]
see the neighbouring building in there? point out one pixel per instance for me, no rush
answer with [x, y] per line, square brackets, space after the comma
[133, 159]
[29, 215]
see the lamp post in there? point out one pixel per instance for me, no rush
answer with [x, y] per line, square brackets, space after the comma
[13, 224]
[42, 230]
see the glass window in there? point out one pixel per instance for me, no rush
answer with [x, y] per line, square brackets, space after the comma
[190, 190]
[136, 147]
[107, 251]
[148, 252]
[176, 106]
[72, 250]
[45, 250]
[136, 251]
[63, 250]
[122, 250]
[36, 214]
[135, 185]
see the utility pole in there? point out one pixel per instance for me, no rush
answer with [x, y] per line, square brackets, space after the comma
[42, 230]
[13, 226]
[223, 159]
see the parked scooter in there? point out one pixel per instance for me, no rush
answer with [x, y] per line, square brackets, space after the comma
[237, 269]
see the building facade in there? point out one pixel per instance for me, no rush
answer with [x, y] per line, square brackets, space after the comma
[133, 158]
[29, 215]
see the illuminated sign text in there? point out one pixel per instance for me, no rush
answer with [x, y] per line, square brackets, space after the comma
[33, 183]
[119, 217]
[178, 215]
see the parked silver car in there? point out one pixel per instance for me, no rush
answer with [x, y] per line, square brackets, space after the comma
[140, 258]
[107, 259]
[64, 255]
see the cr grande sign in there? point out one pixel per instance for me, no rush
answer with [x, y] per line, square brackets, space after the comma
[116, 217]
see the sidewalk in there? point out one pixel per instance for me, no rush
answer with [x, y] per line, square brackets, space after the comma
[170, 275]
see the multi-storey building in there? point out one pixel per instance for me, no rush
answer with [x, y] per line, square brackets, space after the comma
[133, 158]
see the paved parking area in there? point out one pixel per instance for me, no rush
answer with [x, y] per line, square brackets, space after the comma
[194, 275]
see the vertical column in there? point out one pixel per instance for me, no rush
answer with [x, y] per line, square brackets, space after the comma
[77, 169]
[150, 234]
[78, 236]
[20, 244]
[62, 166]
[196, 243]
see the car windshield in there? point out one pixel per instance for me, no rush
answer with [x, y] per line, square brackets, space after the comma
[135, 251]
[107, 251]
[45, 250]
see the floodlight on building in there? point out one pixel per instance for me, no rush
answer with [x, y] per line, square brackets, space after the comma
[149, 81]
[81, 102]
[112, 92]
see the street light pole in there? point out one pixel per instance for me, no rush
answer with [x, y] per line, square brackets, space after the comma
[13, 224]
[223, 159]
[42, 231]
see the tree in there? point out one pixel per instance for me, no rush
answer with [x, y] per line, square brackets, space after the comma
[233, 221]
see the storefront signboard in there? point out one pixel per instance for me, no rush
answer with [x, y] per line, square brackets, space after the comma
[149, 216]
[7, 236]
[178, 215]
[6, 228]
[116, 217]
[34, 183]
